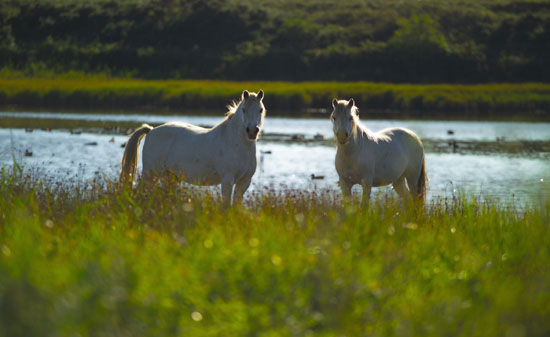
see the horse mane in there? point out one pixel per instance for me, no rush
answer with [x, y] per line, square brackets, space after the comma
[232, 109]
[362, 128]
[356, 121]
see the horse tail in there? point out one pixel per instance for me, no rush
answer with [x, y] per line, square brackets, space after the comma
[131, 153]
[422, 182]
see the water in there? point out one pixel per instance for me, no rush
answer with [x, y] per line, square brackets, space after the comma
[462, 130]
[289, 165]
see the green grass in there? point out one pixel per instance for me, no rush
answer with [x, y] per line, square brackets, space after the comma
[528, 101]
[167, 261]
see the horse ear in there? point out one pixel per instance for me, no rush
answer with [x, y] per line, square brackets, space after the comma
[351, 102]
[261, 94]
[245, 94]
[334, 102]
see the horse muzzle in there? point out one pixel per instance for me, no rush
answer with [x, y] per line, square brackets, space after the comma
[252, 132]
[342, 137]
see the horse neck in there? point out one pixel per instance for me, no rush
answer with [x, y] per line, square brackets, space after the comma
[358, 138]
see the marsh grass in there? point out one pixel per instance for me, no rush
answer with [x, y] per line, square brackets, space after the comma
[99, 259]
[519, 101]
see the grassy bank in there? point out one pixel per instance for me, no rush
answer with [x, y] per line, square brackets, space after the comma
[528, 101]
[165, 262]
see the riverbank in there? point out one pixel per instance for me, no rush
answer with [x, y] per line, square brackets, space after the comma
[528, 101]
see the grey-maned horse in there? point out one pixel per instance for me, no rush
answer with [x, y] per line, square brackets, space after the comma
[224, 154]
[390, 156]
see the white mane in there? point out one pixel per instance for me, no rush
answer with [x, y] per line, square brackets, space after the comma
[232, 108]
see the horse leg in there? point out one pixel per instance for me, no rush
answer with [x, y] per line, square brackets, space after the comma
[227, 191]
[401, 189]
[365, 198]
[346, 189]
[240, 187]
[366, 183]
[412, 181]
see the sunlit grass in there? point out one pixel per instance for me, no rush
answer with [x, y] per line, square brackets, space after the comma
[98, 259]
[527, 100]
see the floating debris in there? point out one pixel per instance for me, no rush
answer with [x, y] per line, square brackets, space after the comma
[75, 132]
[265, 152]
[318, 137]
[28, 153]
[123, 145]
[450, 132]
[28, 130]
[91, 144]
[112, 140]
[314, 177]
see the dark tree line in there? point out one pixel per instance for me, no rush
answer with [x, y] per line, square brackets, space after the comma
[459, 41]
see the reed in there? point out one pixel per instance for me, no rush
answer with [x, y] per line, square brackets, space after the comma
[166, 260]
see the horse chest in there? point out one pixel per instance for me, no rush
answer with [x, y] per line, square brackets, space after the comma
[352, 174]
[353, 171]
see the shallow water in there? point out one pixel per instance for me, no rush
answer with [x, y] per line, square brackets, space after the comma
[518, 178]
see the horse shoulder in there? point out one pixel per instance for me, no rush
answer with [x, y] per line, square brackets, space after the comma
[343, 158]
[234, 158]
[339, 161]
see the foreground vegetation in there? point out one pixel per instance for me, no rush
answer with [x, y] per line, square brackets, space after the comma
[456, 41]
[388, 100]
[97, 260]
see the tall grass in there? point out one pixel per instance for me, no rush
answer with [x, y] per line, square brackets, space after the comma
[531, 100]
[99, 260]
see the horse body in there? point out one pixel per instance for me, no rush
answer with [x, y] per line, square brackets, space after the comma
[224, 154]
[391, 156]
[225, 162]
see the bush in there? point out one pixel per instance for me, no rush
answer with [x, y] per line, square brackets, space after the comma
[412, 42]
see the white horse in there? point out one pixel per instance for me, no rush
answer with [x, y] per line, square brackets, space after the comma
[376, 159]
[224, 154]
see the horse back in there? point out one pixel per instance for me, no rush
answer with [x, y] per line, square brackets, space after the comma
[403, 138]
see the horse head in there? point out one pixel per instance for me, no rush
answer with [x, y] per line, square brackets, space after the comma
[253, 112]
[344, 118]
